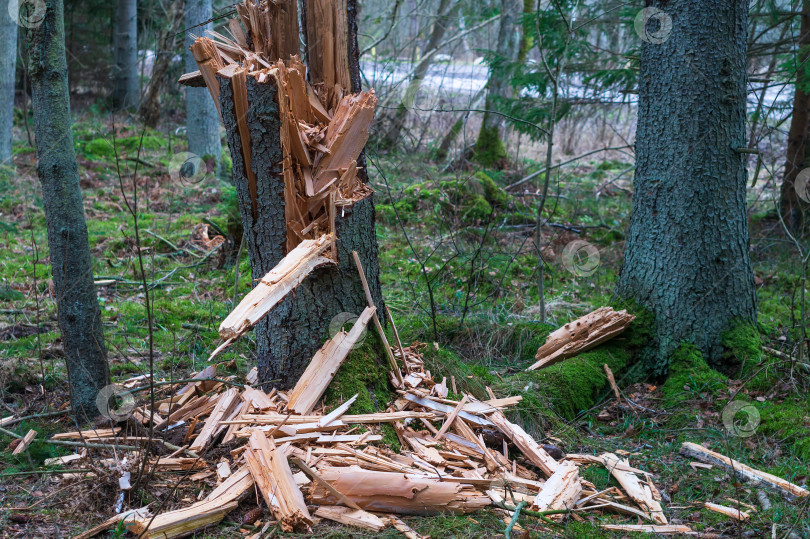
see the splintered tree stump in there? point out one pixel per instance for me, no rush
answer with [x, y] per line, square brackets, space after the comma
[296, 135]
[288, 338]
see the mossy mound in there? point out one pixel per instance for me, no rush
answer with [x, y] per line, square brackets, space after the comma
[742, 347]
[789, 421]
[364, 373]
[489, 148]
[689, 375]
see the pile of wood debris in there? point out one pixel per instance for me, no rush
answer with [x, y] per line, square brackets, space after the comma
[308, 462]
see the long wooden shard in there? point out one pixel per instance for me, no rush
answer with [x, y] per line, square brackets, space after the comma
[561, 491]
[325, 364]
[772, 482]
[280, 281]
[580, 335]
[530, 448]
[643, 493]
[407, 494]
[211, 510]
[271, 471]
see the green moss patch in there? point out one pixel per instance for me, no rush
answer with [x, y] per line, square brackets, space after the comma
[364, 373]
[689, 376]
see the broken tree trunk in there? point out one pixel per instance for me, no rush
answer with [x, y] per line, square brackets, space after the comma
[580, 335]
[296, 163]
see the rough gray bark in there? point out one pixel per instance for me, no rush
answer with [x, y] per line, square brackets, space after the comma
[78, 311]
[8, 62]
[202, 118]
[489, 142]
[125, 44]
[687, 255]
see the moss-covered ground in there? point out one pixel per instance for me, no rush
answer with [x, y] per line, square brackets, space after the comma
[460, 273]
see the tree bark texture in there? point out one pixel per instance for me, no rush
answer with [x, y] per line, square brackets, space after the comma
[687, 255]
[78, 311]
[167, 42]
[202, 118]
[794, 208]
[8, 62]
[125, 42]
[490, 145]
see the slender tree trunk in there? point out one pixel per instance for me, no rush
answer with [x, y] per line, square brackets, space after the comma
[489, 148]
[125, 42]
[455, 130]
[78, 311]
[445, 14]
[166, 44]
[687, 255]
[202, 118]
[8, 62]
[793, 205]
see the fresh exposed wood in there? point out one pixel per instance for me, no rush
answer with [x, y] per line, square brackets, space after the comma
[640, 492]
[351, 517]
[88, 435]
[271, 471]
[184, 521]
[325, 364]
[742, 471]
[582, 334]
[612, 382]
[209, 61]
[450, 418]
[408, 494]
[224, 405]
[25, 442]
[730, 512]
[275, 286]
[193, 79]
[649, 528]
[561, 490]
[389, 354]
[325, 484]
[527, 445]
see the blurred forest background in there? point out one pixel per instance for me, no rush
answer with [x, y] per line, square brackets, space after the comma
[496, 118]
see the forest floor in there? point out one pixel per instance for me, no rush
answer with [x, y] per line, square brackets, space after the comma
[456, 236]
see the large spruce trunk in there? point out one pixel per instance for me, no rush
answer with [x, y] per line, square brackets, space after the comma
[78, 311]
[687, 254]
[202, 118]
[8, 62]
[125, 72]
